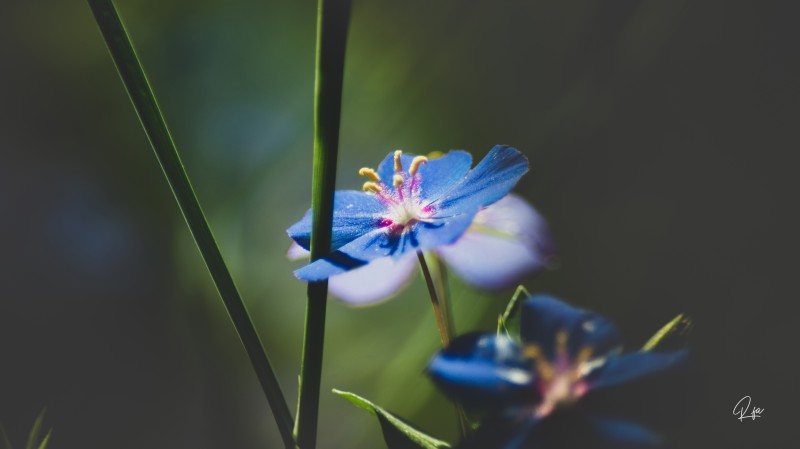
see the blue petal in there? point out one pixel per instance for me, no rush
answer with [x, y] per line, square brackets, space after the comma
[493, 177]
[484, 370]
[573, 428]
[367, 284]
[355, 213]
[440, 175]
[443, 231]
[498, 432]
[333, 264]
[437, 176]
[622, 433]
[544, 316]
[633, 366]
[506, 242]
[421, 236]
[380, 242]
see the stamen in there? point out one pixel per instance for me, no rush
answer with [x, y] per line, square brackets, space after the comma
[546, 370]
[415, 163]
[578, 365]
[561, 344]
[369, 173]
[397, 180]
[532, 351]
[370, 186]
[584, 355]
[398, 164]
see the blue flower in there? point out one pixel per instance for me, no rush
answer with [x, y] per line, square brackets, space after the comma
[506, 242]
[409, 204]
[565, 359]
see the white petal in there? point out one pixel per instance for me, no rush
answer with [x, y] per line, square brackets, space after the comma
[507, 241]
[378, 280]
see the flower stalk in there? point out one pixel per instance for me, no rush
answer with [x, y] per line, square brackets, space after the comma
[439, 276]
[445, 332]
[443, 287]
[146, 106]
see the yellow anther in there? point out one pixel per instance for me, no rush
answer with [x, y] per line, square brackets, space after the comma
[545, 369]
[532, 351]
[561, 343]
[579, 364]
[369, 173]
[584, 355]
[370, 186]
[415, 163]
[543, 366]
[398, 164]
[397, 180]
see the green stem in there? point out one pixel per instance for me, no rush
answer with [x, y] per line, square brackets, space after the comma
[442, 285]
[445, 332]
[333, 17]
[146, 106]
[439, 274]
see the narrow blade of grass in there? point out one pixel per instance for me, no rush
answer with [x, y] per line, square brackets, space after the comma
[333, 17]
[677, 326]
[144, 102]
[45, 440]
[511, 309]
[36, 430]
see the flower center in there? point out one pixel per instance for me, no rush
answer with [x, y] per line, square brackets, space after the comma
[561, 381]
[405, 212]
[403, 201]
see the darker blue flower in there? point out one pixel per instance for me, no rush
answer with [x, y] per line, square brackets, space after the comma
[555, 377]
[410, 204]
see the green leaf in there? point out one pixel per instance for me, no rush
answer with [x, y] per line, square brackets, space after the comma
[671, 335]
[397, 433]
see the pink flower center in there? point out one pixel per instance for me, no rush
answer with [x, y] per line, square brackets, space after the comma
[404, 204]
[561, 382]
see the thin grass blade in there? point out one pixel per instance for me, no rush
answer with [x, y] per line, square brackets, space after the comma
[33, 436]
[45, 440]
[333, 18]
[146, 106]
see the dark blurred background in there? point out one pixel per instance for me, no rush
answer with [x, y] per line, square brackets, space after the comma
[661, 136]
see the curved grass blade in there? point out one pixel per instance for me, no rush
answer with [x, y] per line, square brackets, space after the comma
[45, 440]
[33, 436]
[397, 433]
[669, 334]
[503, 321]
[144, 102]
[333, 18]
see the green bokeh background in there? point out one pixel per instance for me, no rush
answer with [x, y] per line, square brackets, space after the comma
[662, 150]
